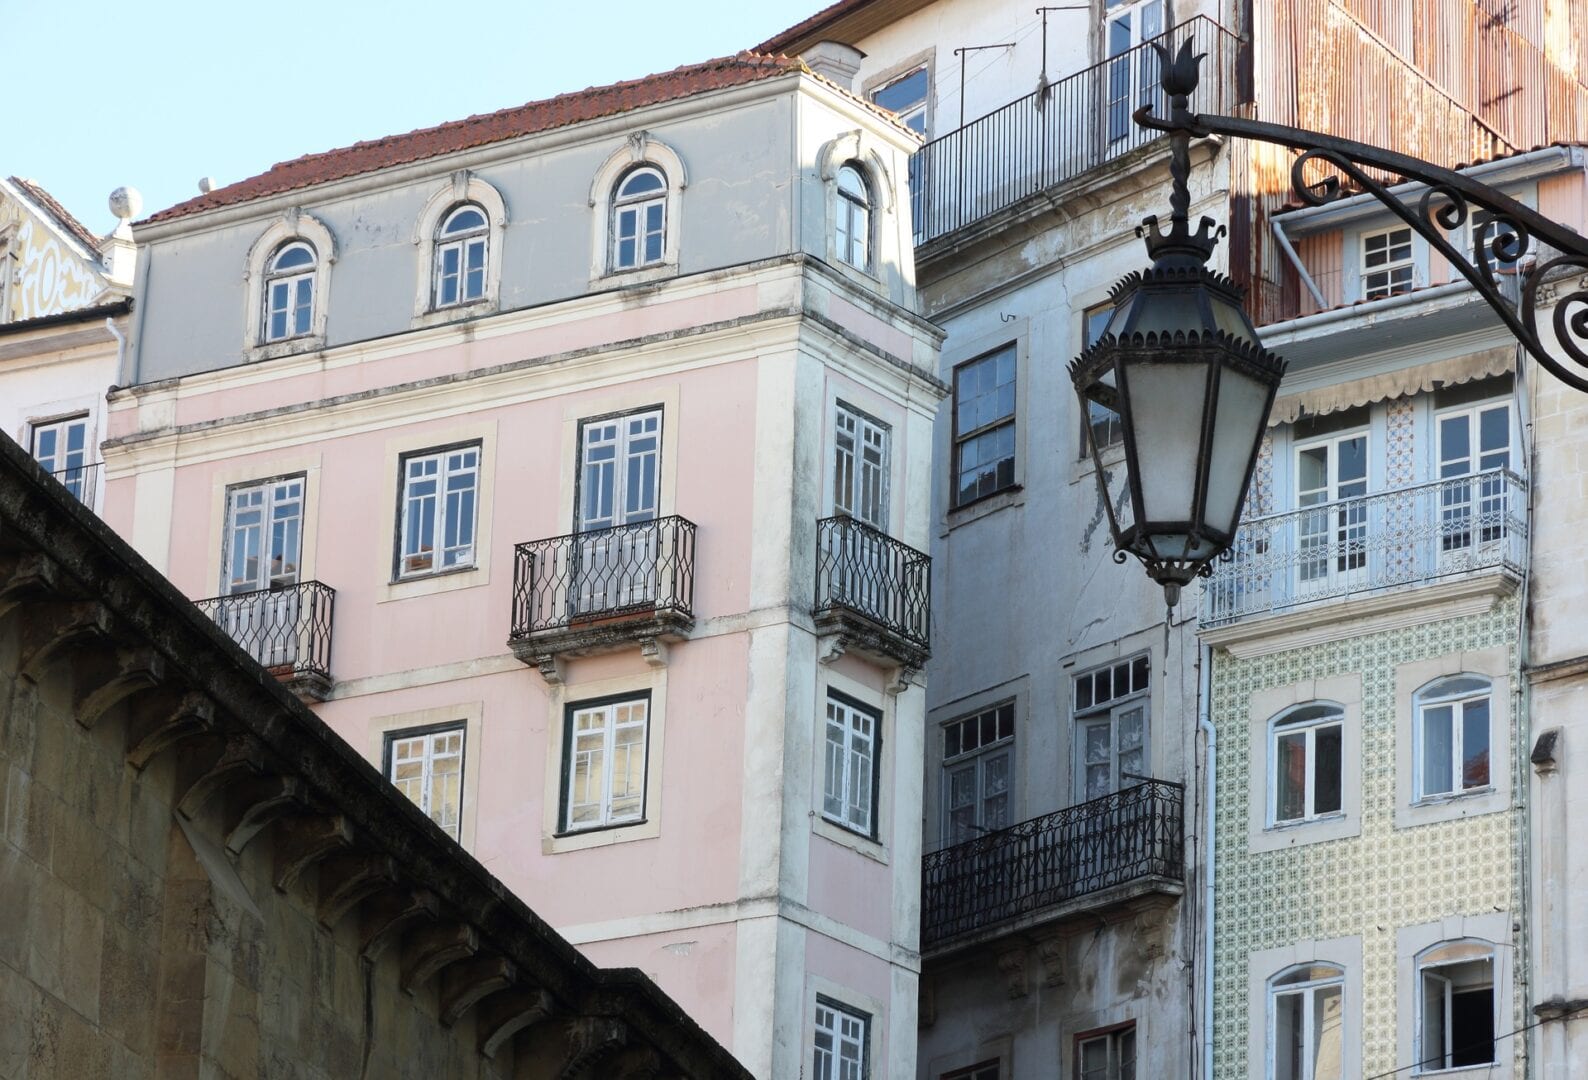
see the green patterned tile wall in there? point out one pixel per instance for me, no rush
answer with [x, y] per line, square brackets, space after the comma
[1370, 885]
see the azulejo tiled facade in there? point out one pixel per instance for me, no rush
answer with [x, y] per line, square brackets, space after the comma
[1370, 886]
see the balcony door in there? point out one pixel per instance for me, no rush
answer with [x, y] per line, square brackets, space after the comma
[1331, 542]
[1473, 512]
[1111, 711]
[861, 569]
[61, 448]
[1130, 72]
[264, 542]
[619, 488]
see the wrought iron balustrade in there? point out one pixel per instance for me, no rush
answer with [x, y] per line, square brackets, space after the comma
[1056, 133]
[82, 482]
[287, 630]
[1135, 833]
[1407, 536]
[564, 582]
[863, 571]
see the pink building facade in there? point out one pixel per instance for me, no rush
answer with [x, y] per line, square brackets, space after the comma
[579, 470]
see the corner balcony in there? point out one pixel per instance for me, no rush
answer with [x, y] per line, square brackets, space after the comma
[287, 630]
[1058, 133]
[603, 589]
[1385, 542]
[873, 593]
[82, 481]
[1101, 855]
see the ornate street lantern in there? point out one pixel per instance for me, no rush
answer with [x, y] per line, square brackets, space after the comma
[1180, 363]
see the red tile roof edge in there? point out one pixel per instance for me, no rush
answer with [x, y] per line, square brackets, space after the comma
[581, 106]
[63, 217]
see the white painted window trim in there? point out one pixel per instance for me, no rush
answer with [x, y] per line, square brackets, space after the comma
[1410, 679]
[853, 743]
[1411, 944]
[861, 422]
[1092, 714]
[1017, 691]
[1427, 697]
[609, 727]
[1263, 965]
[620, 400]
[1309, 1030]
[860, 151]
[857, 1003]
[1262, 834]
[462, 187]
[640, 148]
[885, 78]
[444, 472]
[293, 225]
[419, 440]
[1310, 728]
[229, 531]
[560, 695]
[1416, 260]
[428, 736]
[471, 714]
[253, 470]
[877, 846]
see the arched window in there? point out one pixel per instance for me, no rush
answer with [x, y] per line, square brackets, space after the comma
[1306, 1017]
[460, 260]
[1455, 1005]
[289, 291]
[639, 218]
[852, 235]
[1304, 762]
[1452, 728]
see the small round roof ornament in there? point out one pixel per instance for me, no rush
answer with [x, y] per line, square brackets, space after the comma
[126, 203]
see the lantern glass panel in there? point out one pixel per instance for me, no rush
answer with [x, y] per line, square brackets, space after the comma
[1164, 425]
[1236, 425]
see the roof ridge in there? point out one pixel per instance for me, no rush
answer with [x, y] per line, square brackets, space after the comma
[52, 207]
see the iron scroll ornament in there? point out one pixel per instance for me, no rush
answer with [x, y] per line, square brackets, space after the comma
[1443, 207]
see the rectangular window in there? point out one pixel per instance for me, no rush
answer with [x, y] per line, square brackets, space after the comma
[850, 772]
[1306, 1011]
[841, 1043]
[860, 467]
[1387, 263]
[906, 97]
[984, 425]
[427, 766]
[460, 273]
[438, 506]
[1102, 422]
[605, 747]
[1472, 441]
[1332, 541]
[619, 485]
[1106, 1055]
[1457, 1006]
[1111, 726]
[61, 449]
[291, 307]
[1306, 763]
[1132, 77]
[978, 758]
[987, 1070]
[264, 535]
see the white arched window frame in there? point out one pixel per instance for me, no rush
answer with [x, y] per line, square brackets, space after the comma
[1306, 770]
[852, 218]
[1455, 1018]
[639, 219]
[1454, 737]
[460, 260]
[447, 204]
[287, 282]
[1306, 1023]
[612, 204]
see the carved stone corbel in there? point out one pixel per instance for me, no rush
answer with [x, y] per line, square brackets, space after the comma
[241, 757]
[347, 879]
[1050, 951]
[304, 841]
[505, 1015]
[430, 948]
[591, 1040]
[259, 801]
[1147, 932]
[24, 574]
[51, 629]
[165, 723]
[105, 679]
[466, 983]
[654, 652]
[389, 913]
[552, 669]
[1012, 965]
[829, 647]
[901, 679]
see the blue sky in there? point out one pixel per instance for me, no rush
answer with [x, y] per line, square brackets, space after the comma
[156, 95]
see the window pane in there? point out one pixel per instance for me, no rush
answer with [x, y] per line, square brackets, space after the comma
[1326, 772]
[1290, 779]
[1289, 1034]
[1475, 744]
[1328, 1022]
[1437, 750]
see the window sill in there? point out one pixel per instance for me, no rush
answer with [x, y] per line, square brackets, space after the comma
[637, 275]
[604, 836]
[453, 313]
[1446, 798]
[1285, 836]
[1302, 823]
[845, 837]
[284, 347]
[976, 509]
[1085, 468]
[461, 577]
[1437, 808]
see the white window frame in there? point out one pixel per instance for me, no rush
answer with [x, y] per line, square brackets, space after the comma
[1011, 420]
[852, 217]
[1141, 83]
[1431, 697]
[1283, 725]
[1470, 517]
[844, 1029]
[1426, 966]
[1307, 990]
[281, 502]
[292, 227]
[920, 111]
[1093, 415]
[627, 429]
[466, 243]
[68, 466]
[607, 708]
[861, 462]
[450, 462]
[433, 750]
[979, 756]
[1112, 1038]
[1392, 264]
[851, 764]
[1111, 711]
[288, 283]
[1343, 523]
[637, 207]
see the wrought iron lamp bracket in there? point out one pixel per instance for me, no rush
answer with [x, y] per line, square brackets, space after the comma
[1444, 206]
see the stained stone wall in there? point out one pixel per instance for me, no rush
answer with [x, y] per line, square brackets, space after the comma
[198, 878]
[1373, 885]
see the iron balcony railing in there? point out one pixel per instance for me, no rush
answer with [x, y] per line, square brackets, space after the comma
[1055, 134]
[864, 571]
[287, 629]
[82, 481]
[1408, 536]
[563, 581]
[1135, 833]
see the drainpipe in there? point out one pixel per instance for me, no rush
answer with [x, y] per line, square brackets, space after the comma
[1295, 260]
[1210, 741]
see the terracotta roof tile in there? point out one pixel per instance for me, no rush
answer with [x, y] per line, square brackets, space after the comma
[63, 217]
[561, 111]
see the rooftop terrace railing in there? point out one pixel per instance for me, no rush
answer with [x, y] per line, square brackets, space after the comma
[1056, 133]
